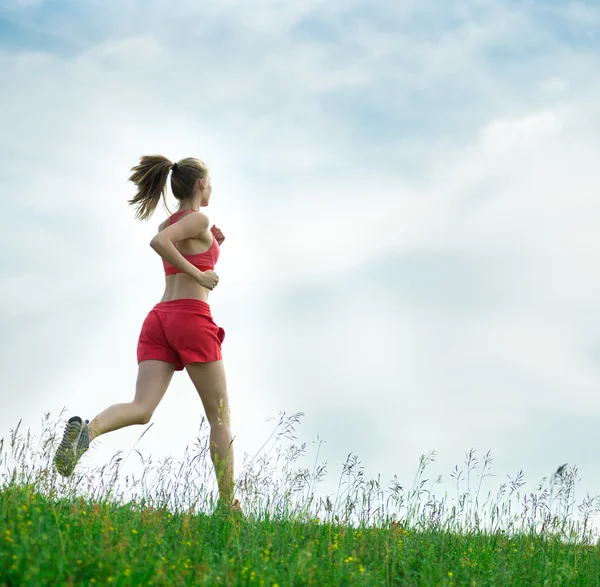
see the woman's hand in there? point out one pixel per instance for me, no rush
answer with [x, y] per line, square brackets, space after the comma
[208, 279]
[219, 236]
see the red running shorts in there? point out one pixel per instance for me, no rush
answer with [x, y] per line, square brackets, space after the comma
[180, 332]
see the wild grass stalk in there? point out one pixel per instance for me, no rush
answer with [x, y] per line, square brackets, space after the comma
[161, 527]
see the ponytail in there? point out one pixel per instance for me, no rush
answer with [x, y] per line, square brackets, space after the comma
[150, 176]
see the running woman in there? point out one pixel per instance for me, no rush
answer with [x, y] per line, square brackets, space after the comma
[179, 331]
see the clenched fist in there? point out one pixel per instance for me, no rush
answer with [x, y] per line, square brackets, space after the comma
[219, 236]
[208, 279]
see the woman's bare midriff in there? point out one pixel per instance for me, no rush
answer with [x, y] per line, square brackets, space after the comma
[181, 286]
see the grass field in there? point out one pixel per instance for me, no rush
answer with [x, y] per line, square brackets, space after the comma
[163, 528]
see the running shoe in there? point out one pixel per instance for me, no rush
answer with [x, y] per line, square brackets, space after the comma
[76, 440]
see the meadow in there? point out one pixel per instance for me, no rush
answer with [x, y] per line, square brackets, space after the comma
[163, 528]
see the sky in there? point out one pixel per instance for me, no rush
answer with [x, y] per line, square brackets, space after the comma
[409, 196]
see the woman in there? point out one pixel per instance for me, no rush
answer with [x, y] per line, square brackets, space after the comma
[179, 332]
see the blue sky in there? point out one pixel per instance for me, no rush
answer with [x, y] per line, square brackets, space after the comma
[408, 191]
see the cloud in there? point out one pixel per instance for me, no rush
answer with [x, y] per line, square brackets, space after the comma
[409, 204]
[524, 133]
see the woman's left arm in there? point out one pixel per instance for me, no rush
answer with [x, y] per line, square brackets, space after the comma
[218, 234]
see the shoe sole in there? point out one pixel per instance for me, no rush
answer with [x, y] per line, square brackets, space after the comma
[74, 443]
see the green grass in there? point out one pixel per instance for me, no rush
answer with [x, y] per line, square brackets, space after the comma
[163, 528]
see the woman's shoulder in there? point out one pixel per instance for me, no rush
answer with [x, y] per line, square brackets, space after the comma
[200, 216]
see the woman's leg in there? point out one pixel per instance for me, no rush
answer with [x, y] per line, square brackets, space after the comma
[152, 382]
[210, 382]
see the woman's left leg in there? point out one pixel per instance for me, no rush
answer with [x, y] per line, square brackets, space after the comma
[152, 382]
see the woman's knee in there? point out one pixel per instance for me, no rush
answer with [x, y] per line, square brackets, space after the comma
[219, 414]
[143, 413]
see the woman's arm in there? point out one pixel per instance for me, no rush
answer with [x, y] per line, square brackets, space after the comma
[190, 226]
[218, 234]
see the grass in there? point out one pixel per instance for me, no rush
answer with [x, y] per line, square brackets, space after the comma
[163, 528]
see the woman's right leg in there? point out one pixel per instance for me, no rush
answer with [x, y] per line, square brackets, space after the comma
[210, 382]
[152, 382]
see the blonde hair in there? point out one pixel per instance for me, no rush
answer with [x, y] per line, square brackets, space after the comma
[150, 176]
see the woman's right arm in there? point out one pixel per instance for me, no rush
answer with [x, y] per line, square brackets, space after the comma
[190, 226]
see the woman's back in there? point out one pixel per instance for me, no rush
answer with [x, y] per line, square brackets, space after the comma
[202, 252]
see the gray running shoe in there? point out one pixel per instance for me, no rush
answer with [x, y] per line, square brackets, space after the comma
[76, 440]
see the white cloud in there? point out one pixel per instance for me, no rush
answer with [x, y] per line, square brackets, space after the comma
[414, 275]
[524, 133]
[555, 85]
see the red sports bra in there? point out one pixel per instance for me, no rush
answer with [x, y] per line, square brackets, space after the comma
[202, 261]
